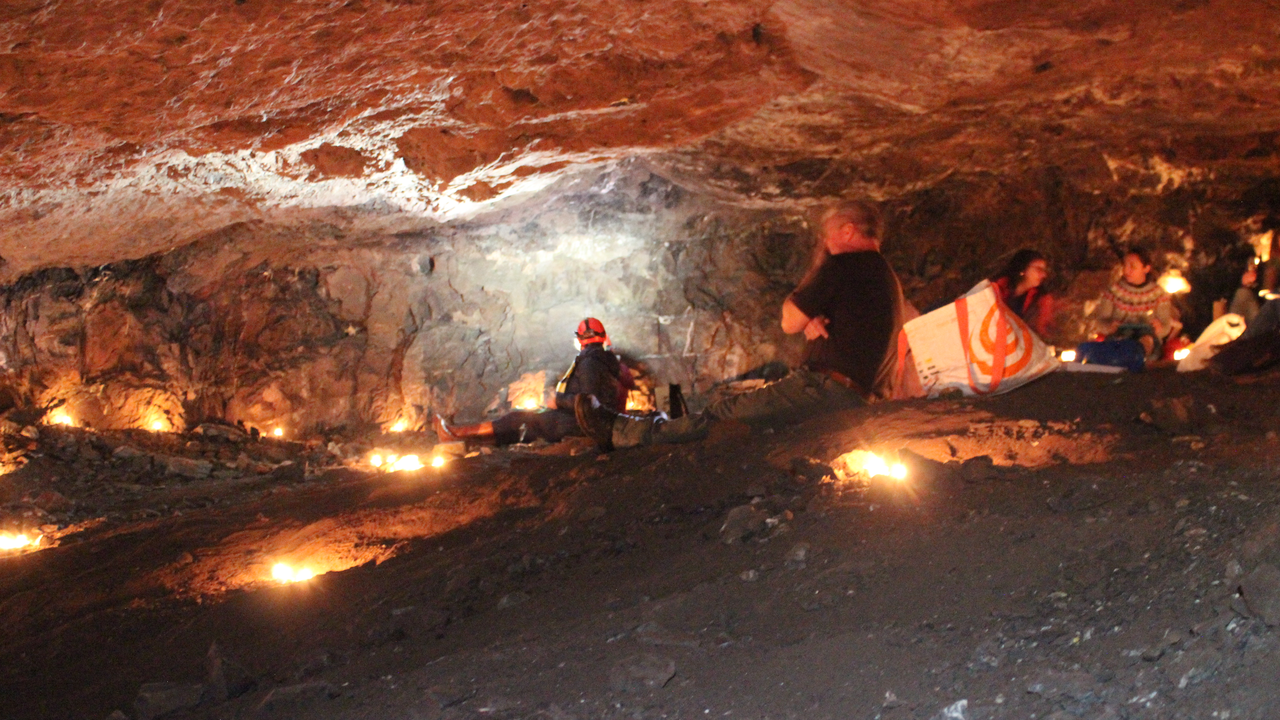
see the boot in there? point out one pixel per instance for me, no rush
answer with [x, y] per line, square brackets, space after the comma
[595, 420]
[479, 432]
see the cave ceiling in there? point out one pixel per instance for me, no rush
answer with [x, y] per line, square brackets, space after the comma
[128, 128]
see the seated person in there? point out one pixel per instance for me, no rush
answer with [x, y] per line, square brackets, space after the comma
[1245, 301]
[1135, 307]
[596, 371]
[849, 307]
[1018, 285]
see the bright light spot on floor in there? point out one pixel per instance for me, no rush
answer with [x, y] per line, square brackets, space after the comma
[1068, 356]
[1180, 354]
[867, 464]
[408, 462]
[285, 574]
[10, 542]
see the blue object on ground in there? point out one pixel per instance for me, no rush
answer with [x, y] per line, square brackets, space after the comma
[1127, 354]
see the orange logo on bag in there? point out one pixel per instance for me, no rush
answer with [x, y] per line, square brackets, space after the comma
[1011, 364]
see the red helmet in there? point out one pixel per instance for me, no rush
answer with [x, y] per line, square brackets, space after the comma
[591, 330]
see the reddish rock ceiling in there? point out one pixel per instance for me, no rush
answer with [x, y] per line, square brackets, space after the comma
[132, 127]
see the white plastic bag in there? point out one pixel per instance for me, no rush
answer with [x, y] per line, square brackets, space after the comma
[977, 345]
[1220, 331]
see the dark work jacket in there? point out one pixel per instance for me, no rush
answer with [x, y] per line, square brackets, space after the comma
[598, 372]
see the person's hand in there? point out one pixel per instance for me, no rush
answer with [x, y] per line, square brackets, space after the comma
[816, 328]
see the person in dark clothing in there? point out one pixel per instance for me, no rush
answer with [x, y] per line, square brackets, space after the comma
[1019, 286]
[849, 307]
[596, 371]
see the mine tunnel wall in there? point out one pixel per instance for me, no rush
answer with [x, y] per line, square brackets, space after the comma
[274, 327]
[306, 327]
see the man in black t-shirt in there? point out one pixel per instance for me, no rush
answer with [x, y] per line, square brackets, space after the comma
[849, 307]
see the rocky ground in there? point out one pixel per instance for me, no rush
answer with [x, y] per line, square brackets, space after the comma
[1089, 546]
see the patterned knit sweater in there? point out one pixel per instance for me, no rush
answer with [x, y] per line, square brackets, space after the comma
[1136, 305]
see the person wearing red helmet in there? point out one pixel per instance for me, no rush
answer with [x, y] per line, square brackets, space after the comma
[595, 371]
[849, 307]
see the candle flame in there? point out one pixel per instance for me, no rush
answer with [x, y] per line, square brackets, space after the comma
[862, 462]
[61, 418]
[408, 462]
[1068, 356]
[529, 404]
[437, 461]
[400, 426]
[16, 542]
[278, 432]
[157, 426]
[1181, 354]
[375, 460]
[1173, 282]
[285, 574]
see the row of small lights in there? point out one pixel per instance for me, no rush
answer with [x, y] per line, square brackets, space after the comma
[61, 418]
[1070, 355]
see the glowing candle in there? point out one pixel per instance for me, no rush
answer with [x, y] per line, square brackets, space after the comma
[375, 460]
[399, 426]
[278, 432]
[285, 574]
[437, 461]
[1068, 356]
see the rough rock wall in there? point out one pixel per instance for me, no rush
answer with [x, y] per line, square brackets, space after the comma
[348, 332]
[345, 329]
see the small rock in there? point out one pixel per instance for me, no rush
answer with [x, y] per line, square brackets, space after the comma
[117, 715]
[292, 696]
[127, 452]
[1191, 667]
[798, 555]
[186, 467]
[651, 633]
[1261, 590]
[51, 501]
[1174, 416]
[749, 575]
[641, 672]
[31, 432]
[224, 677]
[162, 698]
[958, 710]
[594, 512]
[222, 432]
[978, 469]
[755, 489]
[741, 523]
[289, 472]
[811, 469]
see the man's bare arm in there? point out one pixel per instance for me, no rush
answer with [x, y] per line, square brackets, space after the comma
[793, 318]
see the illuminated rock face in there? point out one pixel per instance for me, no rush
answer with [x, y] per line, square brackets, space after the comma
[334, 212]
[439, 319]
